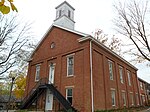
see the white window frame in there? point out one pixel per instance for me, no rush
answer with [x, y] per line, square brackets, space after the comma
[143, 99]
[124, 97]
[37, 72]
[69, 96]
[137, 99]
[141, 85]
[110, 67]
[69, 56]
[121, 74]
[132, 99]
[129, 77]
[113, 97]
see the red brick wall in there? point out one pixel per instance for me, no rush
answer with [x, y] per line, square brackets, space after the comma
[142, 92]
[66, 43]
[103, 84]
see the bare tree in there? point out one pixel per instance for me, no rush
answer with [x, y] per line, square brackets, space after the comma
[132, 22]
[14, 41]
[113, 43]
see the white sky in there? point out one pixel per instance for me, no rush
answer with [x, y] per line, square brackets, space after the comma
[89, 15]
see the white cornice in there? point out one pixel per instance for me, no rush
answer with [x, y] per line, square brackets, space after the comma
[106, 48]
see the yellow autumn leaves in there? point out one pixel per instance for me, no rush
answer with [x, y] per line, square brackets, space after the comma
[5, 9]
[20, 84]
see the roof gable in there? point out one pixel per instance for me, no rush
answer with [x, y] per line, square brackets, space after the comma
[49, 30]
[65, 2]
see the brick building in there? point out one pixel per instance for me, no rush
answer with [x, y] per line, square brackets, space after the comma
[81, 72]
[144, 89]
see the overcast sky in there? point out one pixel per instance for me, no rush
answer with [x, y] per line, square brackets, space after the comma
[89, 15]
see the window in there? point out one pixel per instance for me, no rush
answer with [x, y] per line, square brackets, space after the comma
[124, 98]
[141, 85]
[69, 95]
[113, 97]
[52, 45]
[70, 66]
[37, 74]
[129, 78]
[69, 13]
[137, 99]
[143, 99]
[121, 74]
[132, 100]
[110, 69]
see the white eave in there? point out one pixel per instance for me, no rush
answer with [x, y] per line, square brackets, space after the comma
[106, 48]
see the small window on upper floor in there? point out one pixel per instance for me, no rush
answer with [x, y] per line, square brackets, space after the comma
[70, 65]
[110, 64]
[129, 77]
[121, 74]
[141, 85]
[69, 13]
[37, 73]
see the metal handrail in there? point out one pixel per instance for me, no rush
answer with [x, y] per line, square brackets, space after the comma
[42, 81]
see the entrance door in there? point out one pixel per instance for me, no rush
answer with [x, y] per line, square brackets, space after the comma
[49, 100]
[49, 96]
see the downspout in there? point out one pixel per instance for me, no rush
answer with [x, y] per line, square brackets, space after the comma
[91, 72]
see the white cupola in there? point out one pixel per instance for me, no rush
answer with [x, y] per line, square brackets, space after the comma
[65, 15]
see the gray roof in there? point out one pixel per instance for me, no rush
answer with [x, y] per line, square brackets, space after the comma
[65, 2]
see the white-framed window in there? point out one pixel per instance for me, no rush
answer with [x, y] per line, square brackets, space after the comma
[124, 98]
[132, 99]
[69, 95]
[113, 98]
[143, 99]
[137, 99]
[110, 64]
[70, 65]
[141, 85]
[51, 72]
[129, 77]
[37, 72]
[121, 74]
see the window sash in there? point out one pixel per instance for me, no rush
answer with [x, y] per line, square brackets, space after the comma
[132, 100]
[69, 95]
[141, 85]
[110, 69]
[37, 74]
[121, 74]
[124, 98]
[137, 98]
[129, 78]
[113, 97]
[70, 66]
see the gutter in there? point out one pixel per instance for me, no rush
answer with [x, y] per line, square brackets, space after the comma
[91, 72]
